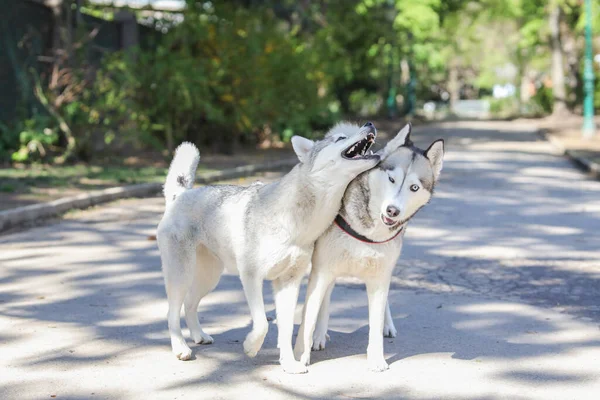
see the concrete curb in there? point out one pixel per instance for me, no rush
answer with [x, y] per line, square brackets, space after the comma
[588, 165]
[29, 214]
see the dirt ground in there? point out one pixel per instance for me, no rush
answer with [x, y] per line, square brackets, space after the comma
[568, 133]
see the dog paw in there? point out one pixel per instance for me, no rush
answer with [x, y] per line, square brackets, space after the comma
[250, 349]
[293, 367]
[377, 365]
[254, 340]
[202, 338]
[389, 331]
[181, 351]
[319, 340]
[252, 345]
[305, 358]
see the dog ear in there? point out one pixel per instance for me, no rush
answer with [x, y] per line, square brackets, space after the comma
[435, 155]
[401, 138]
[302, 147]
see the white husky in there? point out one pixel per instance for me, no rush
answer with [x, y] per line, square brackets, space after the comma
[260, 231]
[366, 240]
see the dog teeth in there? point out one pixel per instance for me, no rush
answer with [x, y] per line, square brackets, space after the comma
[360, 148]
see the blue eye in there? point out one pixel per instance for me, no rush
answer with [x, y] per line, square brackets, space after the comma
[414, 188]
[340, 138]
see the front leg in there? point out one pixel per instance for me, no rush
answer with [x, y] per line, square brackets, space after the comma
[318, 286]
[377, 291]
[253, 285]
[286, 298]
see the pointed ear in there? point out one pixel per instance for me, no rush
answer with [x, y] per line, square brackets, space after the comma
[435, 154]
[399, 140]
[302, 147]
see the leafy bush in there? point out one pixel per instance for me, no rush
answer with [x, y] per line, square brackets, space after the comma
[29, 140]
[365, 104]
[543, 99]
[36, 135]
[223, 76]
[503, 107]
[235, 76]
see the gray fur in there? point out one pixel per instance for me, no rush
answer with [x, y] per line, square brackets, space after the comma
[337, 253]
[320, 145]
[356, 199]
[355, 203]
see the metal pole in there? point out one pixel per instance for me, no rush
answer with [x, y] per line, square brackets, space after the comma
[589, 128]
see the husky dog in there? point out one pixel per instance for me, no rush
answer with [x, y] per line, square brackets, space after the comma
[365, 241]
[259, 231]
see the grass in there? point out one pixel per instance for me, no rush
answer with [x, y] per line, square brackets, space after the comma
[87, 177]
[23, 185]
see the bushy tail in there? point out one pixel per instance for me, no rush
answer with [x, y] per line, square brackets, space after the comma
[181, 172]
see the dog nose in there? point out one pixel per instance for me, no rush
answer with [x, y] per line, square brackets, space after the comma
[392, 211]
[368, 124]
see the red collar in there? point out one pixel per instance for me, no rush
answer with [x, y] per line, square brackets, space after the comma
[345, 226]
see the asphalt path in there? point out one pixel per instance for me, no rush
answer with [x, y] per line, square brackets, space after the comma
[496, 296]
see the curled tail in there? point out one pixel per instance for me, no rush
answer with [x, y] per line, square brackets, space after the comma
[181, 172]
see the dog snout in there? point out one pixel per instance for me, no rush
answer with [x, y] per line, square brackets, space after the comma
[368, 125]
[392, 211]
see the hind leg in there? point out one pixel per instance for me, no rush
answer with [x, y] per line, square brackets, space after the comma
[253, 285]
[389, 329]
[320, 335]
[206, 276]
[178, 260]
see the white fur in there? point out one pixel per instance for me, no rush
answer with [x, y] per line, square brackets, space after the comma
[435, 152]
[397, 141]
[338, 254]
[302, 147]
[184, 164]
[261, 232]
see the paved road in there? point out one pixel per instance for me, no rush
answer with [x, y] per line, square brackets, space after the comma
[497, 296]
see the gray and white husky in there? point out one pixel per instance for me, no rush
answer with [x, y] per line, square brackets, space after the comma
[365, 241]
[259, 231]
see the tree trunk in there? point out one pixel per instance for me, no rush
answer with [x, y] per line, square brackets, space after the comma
[558, 69]
[574, 81]
[453, 85]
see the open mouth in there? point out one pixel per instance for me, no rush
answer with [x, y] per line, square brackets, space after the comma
[387, 221]
[360, 149]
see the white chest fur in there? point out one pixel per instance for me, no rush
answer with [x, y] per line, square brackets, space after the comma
[347, 255]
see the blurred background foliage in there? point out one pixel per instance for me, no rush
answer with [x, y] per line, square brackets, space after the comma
[248, 72]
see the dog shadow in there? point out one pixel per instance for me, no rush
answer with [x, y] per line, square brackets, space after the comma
[420, 335]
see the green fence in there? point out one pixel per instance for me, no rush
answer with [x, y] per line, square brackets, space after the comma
[26, 30]
[25, 35]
